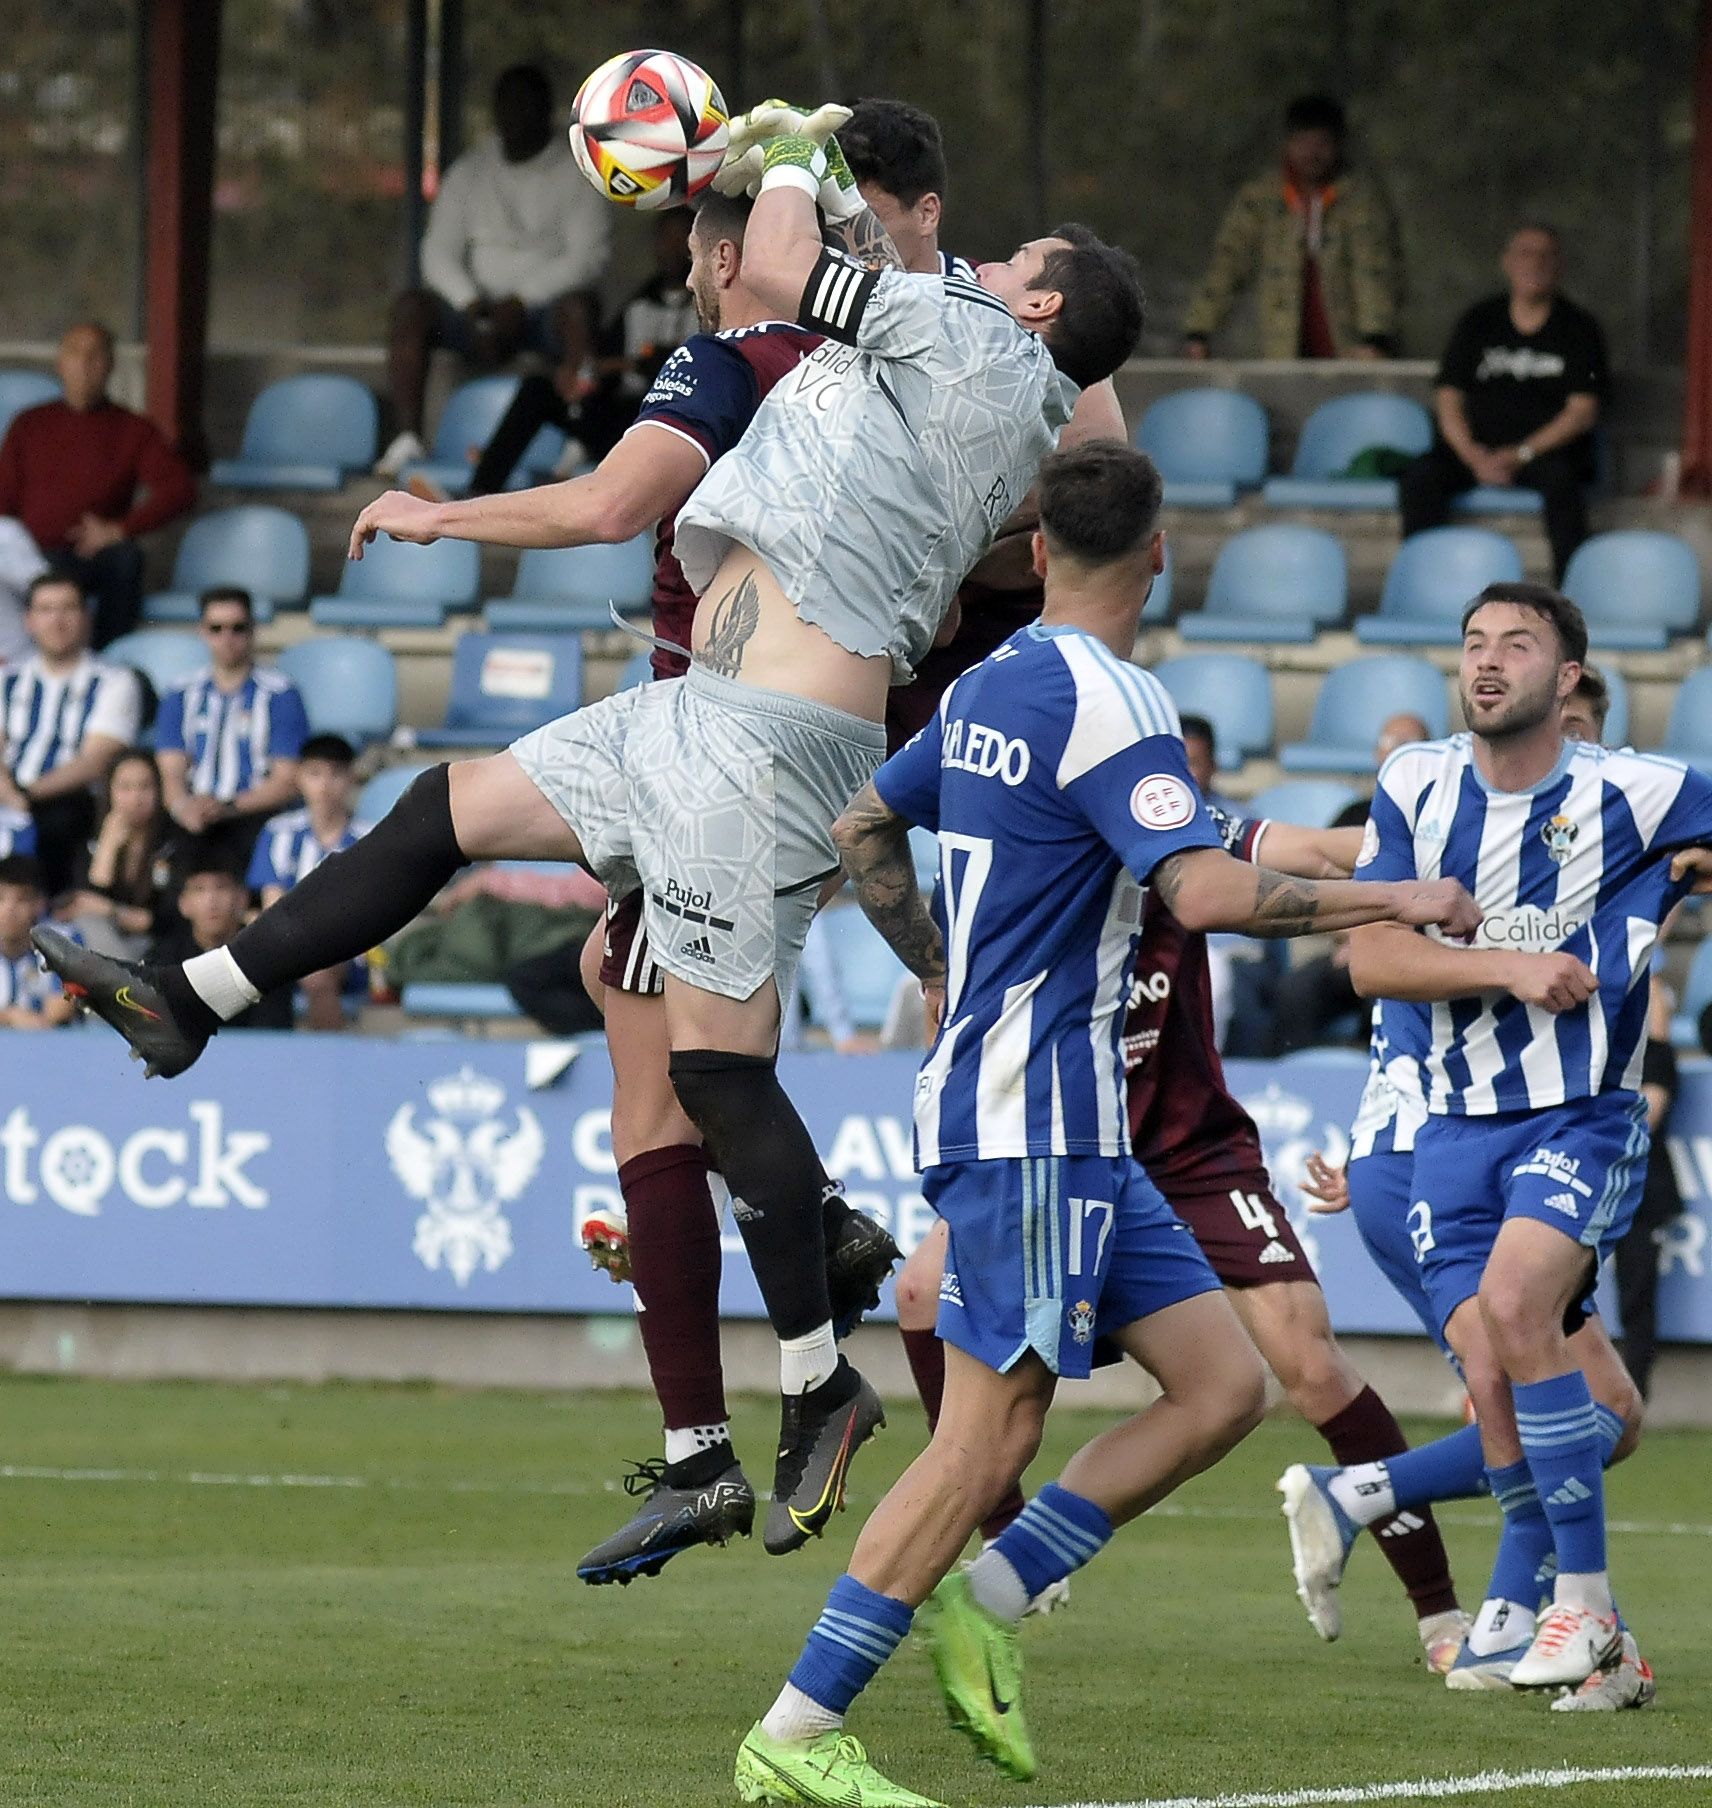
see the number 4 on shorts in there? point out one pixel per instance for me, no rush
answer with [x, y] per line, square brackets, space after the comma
[1252, 1210]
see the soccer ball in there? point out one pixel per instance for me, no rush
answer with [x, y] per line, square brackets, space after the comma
[648, 129]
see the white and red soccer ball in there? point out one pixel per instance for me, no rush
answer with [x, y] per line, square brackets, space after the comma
[649, 129]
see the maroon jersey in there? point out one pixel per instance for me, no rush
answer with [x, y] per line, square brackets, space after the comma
[707, 392]
[990, 618]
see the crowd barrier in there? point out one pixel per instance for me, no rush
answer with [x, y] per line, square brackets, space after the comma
[453, 1174]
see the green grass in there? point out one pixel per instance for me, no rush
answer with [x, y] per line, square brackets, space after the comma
[422, 1638]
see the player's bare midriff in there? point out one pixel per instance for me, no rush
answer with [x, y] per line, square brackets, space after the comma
[748, 630]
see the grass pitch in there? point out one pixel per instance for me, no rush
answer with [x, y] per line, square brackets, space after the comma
[366, 1596]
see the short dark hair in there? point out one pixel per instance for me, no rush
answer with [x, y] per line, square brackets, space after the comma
[23, 871]
[198, 862]
[528, 79]
[55, 577]
[333, 748]
[1316, 113]
[1199, 727]
[1594, 690]
[1100, 322]
[723, 216]
[225, 593]
[1563, 615]
[895, 146]
[1099, 501]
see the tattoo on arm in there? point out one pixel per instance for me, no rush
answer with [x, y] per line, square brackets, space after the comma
[874, 846]
[1282, 905]
[732, 626]
[866, 240]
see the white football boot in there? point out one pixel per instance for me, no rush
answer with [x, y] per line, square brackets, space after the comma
[1570, 1644]
[1628, 1683]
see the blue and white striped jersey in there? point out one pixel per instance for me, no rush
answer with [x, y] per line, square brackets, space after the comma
[1394, 1101]
[1055, 776]
[17, 832]
[231, 738]
[1579, 864]
[47, 716]
[288, 850]
[25, 982]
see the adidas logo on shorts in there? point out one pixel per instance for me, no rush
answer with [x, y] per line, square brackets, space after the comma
[1276, 1252]
[698, 948]
[1562, 1202]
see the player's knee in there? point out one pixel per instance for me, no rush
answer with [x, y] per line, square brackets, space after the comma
[724, 1095]
[1231, 1401]
[917, 1285]
[1512, 1315]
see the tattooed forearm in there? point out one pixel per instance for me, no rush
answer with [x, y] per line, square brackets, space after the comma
[874, 846]
[866, 240]
[730, 628]
[1282, 905]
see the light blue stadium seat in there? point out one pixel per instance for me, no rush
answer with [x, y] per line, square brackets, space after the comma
[260, 549]
[397, 585]
[1636, 588]
[503, 685]
[1331, 438]
[21, 389]
[472, 413]
[1498, 499]
[637, 669]
[1617, 717]
[386, 788]
[1434, 577]
[304, 433]
[1354, 703]
[1696, 996]
[1688, 735]
[349, 686]
[1310, 803]
[868, 970]
[1207, 443]
[164, 656]
[1232, 691]
[454, 998]
[1278, 584]
[576, 586]
[924, 848]
[1157, 608]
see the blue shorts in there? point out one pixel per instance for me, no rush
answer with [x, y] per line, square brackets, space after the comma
[1048, 1253]
[1380, 1195]
[1578, 1167]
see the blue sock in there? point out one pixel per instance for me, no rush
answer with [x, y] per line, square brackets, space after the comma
[1053, 1536]
[855, 1634]
[1526, 1542]
[1449, 1468]
[1564, 1447]
[1611, 1425]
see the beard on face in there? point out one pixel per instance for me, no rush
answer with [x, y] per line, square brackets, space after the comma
[1519, 713]
[706, 299]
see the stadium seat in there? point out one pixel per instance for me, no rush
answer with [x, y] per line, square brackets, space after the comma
[21, 389]
[637, 669]
[576, 587]
[1617, 717]
[1696, 996]
[1279, 584]
[1355, 702]
[1333, 435]
[259, 549]
[1498, 499]
[1157, 608]
[1688, 735]
[398, 585]
[1232, 691]
[1636, 588]
[503, 685]
[467, 423]
[349, 686]
[924, 847]
[304, 433]
[458, 998]
[1310, 803]
[1434, 577]
[1207, 443]
[868, 970]
[163, 656]
[385, 789]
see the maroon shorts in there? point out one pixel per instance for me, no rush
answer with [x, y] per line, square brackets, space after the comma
[1245, 1233]
[626, 962]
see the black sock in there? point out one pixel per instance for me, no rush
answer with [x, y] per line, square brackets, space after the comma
[705, 1466]
[354, 900]
[768, 1159]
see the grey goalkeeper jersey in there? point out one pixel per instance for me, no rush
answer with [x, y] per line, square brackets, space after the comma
[874, 475]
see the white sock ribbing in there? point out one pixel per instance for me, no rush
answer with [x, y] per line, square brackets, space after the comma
[1589, 1589]
[805, 1362]
[219, 982]
[1364, 1492]
[798, 1717]
[1499, 1626]
[996, 1586]
[685, 1441]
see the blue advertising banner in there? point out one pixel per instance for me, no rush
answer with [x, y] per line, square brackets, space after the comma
[453, 1175]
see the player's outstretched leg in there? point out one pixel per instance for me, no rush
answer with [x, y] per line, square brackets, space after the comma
[352, 902]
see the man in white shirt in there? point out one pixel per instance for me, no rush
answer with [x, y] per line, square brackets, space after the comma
[516, 241]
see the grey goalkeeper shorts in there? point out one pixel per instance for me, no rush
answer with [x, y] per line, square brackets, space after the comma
[717, 800]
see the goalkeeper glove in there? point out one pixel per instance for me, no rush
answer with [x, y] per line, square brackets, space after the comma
[793, 161]
[740, 173]
[840, 198]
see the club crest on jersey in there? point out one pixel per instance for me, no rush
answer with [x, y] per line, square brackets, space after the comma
[1559, 835]
[1160, 801]
[1082, 1321]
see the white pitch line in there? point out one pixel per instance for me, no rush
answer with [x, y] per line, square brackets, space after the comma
[1426, 1789]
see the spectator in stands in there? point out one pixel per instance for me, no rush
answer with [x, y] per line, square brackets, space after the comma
[1199, 744]
[122, 898]
[31, 998]
[294, 843]
[595, 407]
[1584, 710]
[87, 478]
[228, 739]
[21, 563]
[1394, 732]
[66, 717]
[1319, 244]
[1519, 390]
[212, 903]
[516, 241]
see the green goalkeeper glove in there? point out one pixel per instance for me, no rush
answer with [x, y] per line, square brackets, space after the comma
[840, 198]
[740, 173]
[793, 161]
